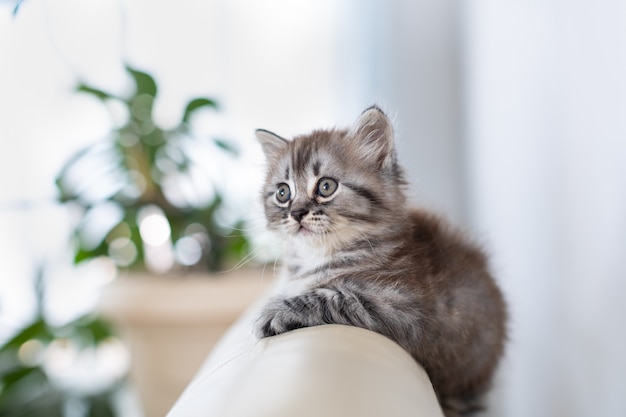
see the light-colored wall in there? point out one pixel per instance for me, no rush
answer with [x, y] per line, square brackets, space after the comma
[421, 79]
[406, 57]
[546, 100]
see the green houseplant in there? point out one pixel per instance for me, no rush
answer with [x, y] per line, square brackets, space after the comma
[28, 385]
[135, 174]
[143, 199]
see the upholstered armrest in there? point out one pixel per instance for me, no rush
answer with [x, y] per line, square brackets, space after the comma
[327, 371]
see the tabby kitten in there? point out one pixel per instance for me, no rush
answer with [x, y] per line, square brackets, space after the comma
[357, 254]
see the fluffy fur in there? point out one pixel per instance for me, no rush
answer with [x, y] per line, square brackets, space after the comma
[359, 255]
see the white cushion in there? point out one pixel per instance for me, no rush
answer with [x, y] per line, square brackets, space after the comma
[329, 370]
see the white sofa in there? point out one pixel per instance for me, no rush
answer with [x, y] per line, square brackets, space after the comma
[329, 370]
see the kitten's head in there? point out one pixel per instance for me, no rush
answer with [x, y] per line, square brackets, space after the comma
[332, 187]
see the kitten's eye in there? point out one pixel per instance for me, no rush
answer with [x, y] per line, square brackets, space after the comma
[283, 194]
[326, 187]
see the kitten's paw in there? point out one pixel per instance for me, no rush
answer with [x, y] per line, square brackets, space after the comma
[277, 318]
[263, 327]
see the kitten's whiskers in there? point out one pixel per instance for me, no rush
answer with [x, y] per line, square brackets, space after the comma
[245, 260]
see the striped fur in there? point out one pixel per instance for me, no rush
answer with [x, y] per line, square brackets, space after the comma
[362, 257]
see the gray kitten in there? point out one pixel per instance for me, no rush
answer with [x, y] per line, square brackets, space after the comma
[357, 254]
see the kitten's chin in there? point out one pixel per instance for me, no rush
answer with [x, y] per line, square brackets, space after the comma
[304, 231]
[320, 237]
[306, 237]
[327, 241]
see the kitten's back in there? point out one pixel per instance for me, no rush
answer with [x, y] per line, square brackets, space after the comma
[465, 309]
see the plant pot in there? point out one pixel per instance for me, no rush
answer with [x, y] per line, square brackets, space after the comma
[170, 323]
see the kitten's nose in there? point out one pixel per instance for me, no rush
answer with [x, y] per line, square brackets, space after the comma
[299, 214]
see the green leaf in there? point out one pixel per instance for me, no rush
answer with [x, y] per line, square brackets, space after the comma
[36, 330]
[65, 195]
[102, 95]
[22, 388]
[196, 104]
[101, 406]
[15, 375]
[86, 331]
[98, 329]
[33, 396]
[83, 254]
[144, 82]
[226, 146]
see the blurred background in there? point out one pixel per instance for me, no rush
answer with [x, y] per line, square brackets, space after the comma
[510, 116]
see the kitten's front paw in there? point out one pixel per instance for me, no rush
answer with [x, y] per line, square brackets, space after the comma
[263, 326]
[277, 318]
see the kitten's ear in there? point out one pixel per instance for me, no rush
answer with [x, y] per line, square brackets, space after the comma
[373, 134]
[272, 144]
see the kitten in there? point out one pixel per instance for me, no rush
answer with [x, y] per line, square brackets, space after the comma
[357, 254]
